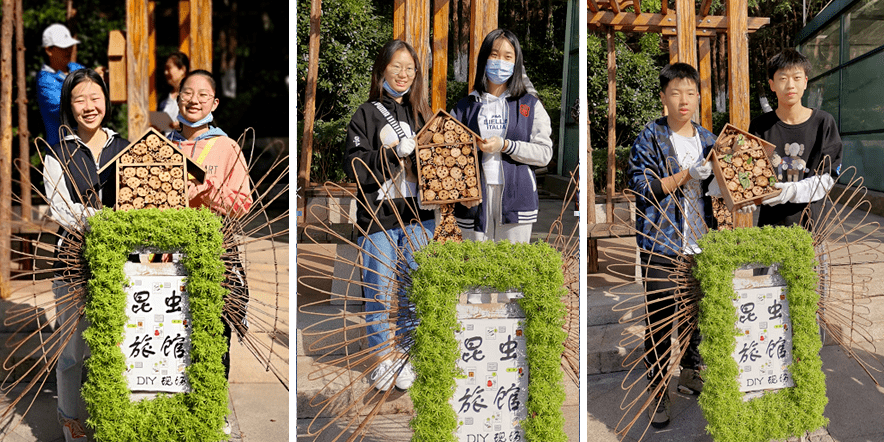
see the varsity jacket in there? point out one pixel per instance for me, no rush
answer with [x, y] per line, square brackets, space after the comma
[379, 170]
[73, 186]
[528, 130]
[652, 158]
[49, 84]
[226, 188]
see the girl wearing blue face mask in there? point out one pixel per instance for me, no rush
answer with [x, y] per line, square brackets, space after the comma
[380, 157]
[516, 131]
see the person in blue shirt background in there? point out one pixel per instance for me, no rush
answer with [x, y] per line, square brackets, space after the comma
[59, 46]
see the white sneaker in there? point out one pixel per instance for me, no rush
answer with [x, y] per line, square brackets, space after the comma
[406, 377]
[73, 430]
[382, 376]
[227, 429]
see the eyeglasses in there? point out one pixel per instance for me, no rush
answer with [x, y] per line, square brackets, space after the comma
[202, 97]
[395, 70]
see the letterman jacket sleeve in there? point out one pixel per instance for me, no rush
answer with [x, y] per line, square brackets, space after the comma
[537, 151]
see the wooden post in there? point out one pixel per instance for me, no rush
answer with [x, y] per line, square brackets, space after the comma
[137, 58]
[705, 57]
[612, 127]
[686, 30]
[6, 147]
[309, 108]
[483, 19]
[417, 32]
[399, 19]
[151, 56]
[201, 34]
[592, 245]
[24, 151]
[440, 54]
[184, 26]
[116, 66]
[738, 73]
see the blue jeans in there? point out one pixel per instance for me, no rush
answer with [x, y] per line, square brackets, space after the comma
[386, 257]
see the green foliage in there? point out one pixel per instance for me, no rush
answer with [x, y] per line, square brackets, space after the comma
[444, 272]
[328, 150]
[352, 34]
[600, 168]
[638, 98]
[782, 413]
[195, 416]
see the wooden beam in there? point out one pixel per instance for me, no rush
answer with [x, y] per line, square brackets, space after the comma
[664, 7]
[184, 26]
[615, 5]
[704, 53]
[136, 66]
[637, 6]
[686, 30]
[399, 19]
[483, 19]
[649, 22]
[440, 54]
[592, 5]
[738, 76]
[309, 106]
[6, 147]
[201, 34]
[612, 127]
[673, 50]
[151, 56]
[704, 8]
[24, 150]
[417, 32]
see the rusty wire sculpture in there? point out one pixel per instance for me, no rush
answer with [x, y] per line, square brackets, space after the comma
[348, 400]
[845, 249]
[256, 258]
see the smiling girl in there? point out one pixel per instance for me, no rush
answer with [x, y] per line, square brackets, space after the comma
[75, 191]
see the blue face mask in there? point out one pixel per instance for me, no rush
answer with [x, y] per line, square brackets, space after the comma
[208, 119]
[393, 93]
[498, 71]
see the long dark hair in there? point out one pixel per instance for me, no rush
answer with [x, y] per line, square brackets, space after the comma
[415, 96]
[67, 89]
[516, 84]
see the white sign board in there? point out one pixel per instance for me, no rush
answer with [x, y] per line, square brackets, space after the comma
[156, 341]
[490, 399]
[764, 345]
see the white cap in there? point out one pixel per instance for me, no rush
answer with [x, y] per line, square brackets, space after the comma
[58, 35]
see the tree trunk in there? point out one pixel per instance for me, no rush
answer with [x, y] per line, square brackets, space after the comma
[24, 152]
[5, 147]
[461, 39]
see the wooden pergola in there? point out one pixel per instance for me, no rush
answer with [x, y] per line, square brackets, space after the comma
[412, 20]
[690, 34]
[132, 68]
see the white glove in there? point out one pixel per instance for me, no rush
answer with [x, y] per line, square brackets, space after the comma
[714, 190]
[701, 172]
[788, 191]
[492, 145]
[405, 147]
[749, 208]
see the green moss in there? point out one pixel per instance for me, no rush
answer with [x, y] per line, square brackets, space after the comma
[194, 416]
[447, 270]
[781, 413]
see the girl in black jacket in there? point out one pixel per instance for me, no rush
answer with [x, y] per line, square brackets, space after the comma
[75, 191]
[380, 157]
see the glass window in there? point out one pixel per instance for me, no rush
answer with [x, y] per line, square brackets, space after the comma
[864, 28]
[823, 48]
[864, 152]
[862, 102]
[822, 93]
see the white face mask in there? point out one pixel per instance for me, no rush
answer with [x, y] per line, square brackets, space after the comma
[206, 120]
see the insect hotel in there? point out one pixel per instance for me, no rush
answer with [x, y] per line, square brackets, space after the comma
[152, 173]
[448, 169]
[744, 171]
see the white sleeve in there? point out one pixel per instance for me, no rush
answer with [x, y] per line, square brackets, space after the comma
[537, 151]
[813, 188]
[64, 211]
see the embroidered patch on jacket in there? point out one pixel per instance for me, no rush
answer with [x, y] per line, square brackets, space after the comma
[524, 109]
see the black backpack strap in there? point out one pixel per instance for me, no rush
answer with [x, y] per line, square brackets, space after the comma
[395, 124]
